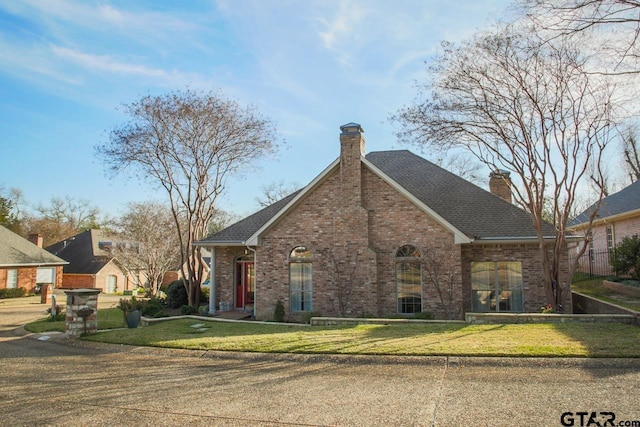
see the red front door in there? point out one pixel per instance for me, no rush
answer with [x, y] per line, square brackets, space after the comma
[245, 285]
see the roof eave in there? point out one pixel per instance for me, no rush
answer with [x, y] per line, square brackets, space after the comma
[211, 244]
[512, 239]
[606, 219]
[35, 264]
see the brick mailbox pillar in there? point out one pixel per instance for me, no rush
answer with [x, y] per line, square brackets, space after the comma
[82, 311]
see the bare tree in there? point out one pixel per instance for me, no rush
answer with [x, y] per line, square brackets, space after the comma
[525, 106]
[464, 166]
[442, 271]
[78, 214]
[345, 265]
[189, 143]
[275, 191]
[148, 242]
[610, 27]
[631, 153]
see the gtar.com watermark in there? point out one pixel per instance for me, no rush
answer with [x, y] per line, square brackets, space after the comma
[595, 419]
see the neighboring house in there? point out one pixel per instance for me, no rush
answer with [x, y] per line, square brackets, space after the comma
[24, 264]
[617, 218]
[176, 274]
[372, 235]
[92, 263]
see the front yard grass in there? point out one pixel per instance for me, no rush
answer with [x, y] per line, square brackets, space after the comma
[110, 318]
[521, 340]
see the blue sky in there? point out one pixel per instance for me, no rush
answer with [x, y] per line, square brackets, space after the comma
[67, 67]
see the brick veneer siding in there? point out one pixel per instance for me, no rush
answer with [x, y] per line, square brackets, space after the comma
[532, 274]
[78, 281]
[368, 238]
[369, 242]
[27, 277]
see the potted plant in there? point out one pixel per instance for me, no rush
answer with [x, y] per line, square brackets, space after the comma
[131, 309]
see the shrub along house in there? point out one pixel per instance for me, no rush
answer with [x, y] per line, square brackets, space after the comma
[386, 234]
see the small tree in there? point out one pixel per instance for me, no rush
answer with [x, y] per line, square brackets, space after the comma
[625, 260]
[151, 245]
[441, 271]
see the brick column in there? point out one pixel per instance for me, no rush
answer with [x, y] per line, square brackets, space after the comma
[79, 300]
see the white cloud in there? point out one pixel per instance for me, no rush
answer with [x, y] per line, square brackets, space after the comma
[105, 63]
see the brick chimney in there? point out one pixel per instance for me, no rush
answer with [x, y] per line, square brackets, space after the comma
[351, 150]
[500, 184]
[36, 239]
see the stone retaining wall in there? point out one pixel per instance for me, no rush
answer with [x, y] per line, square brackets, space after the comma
[501, 318]
[622, 289]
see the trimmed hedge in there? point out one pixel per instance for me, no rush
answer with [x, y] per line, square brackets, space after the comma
[13, 293]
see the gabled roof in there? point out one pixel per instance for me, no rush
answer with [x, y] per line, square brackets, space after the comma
[16, 251]
[468, 211]
[625, 201]
[86, 252]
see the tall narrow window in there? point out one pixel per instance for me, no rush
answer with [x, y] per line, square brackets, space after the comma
[610, 243]
[12, 278]
[300, 279]
[408, 280]
[496, 286]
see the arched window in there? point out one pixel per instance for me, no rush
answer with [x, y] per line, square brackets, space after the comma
[408, 280]
[300, 279]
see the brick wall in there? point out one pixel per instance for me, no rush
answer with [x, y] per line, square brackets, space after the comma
[26, 278]
[532, 274]
[78, 281]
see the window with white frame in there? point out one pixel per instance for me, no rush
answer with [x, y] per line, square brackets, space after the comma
[610, 238]
[300, 279]
[497, 286]
[12, 278]
[408, 280]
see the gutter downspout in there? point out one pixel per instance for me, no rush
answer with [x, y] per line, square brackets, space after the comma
[255, 280]
[212, 282]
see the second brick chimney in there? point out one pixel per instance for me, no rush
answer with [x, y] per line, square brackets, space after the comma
[36, 239]
[500, 184]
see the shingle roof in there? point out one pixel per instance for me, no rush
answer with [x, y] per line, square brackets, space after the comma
[16, 251]
[83, 252]
[625, 200]
[470, 209]
[474, 211]
[241, 231]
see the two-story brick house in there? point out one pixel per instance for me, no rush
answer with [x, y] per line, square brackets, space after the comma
[92, 263]
[383, 234]
[617, 217]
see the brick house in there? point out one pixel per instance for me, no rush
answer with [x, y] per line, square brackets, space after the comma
[24, 264]
[91, 263]
[617, 218]
[386, 234]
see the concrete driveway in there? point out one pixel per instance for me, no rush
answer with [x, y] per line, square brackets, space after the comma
[50, 380]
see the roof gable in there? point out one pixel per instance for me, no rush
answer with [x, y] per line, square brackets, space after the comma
[17, 251]
[84, 252]
[475, 212]
[465, 209]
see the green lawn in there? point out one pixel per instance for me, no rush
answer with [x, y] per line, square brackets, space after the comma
[110, 318]
[548, 340]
